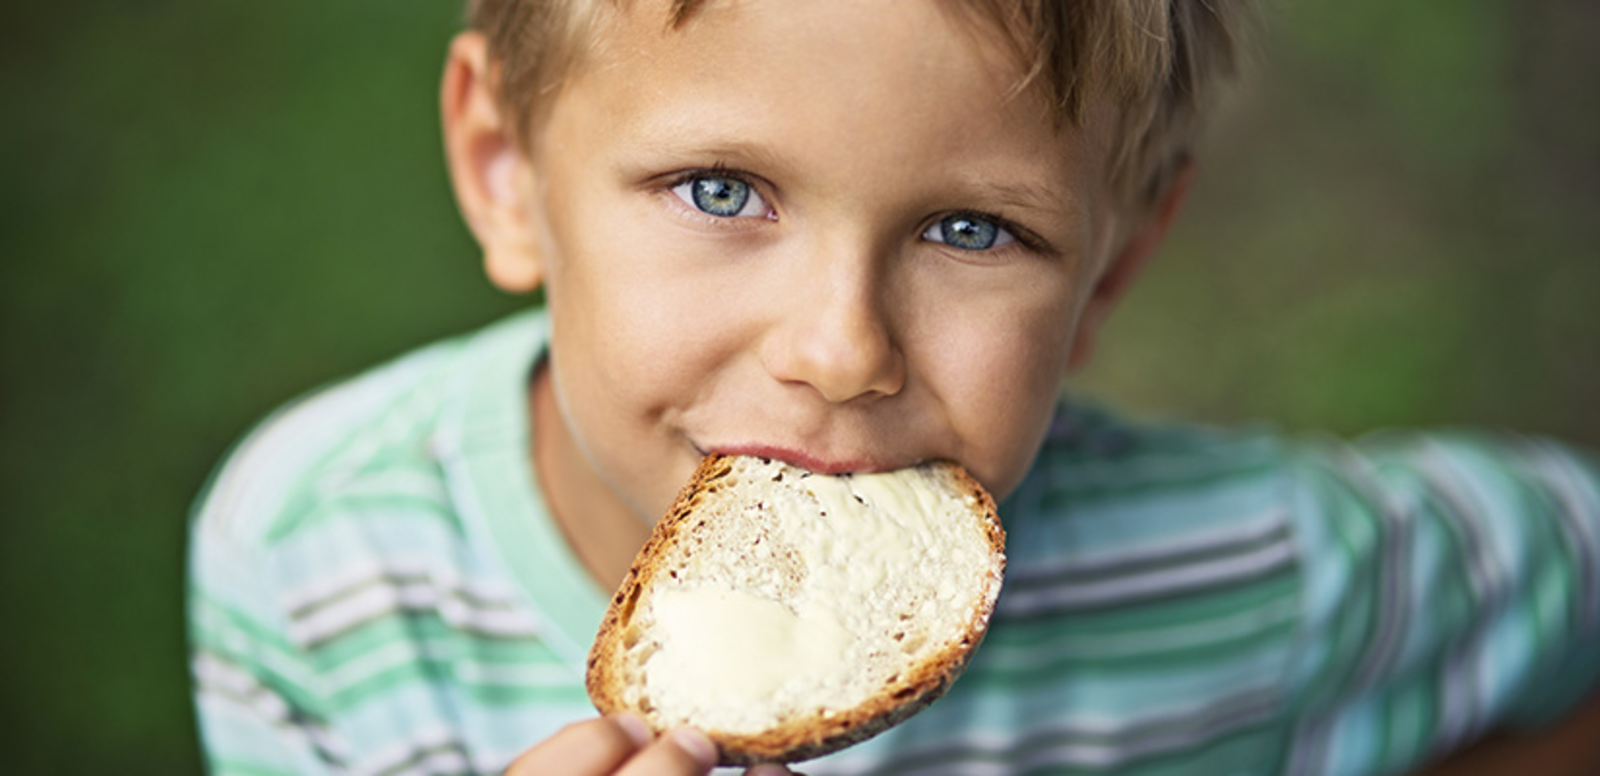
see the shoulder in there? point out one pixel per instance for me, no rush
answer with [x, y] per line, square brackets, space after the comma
[306, 448]
[374, 435]
[1090, 448]
[336, 582]
[1104, 485]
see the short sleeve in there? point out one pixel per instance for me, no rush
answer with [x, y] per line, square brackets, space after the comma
[1451, 588]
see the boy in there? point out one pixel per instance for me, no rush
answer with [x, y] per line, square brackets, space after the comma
[859, 235]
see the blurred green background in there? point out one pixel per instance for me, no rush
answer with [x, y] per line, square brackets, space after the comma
[209, 209]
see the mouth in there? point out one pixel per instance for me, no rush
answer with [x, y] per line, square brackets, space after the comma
[806, 460]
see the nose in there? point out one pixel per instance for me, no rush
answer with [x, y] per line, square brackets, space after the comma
[834, 333]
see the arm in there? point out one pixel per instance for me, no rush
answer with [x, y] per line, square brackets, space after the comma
[254, 700]
[1451, 593]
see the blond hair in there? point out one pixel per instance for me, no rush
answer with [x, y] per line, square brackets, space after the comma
[1158, 63]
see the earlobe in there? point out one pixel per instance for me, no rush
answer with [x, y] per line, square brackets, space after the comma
[489, 172]
[1126, 263]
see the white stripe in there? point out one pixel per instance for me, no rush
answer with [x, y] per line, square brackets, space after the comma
[1023, 602]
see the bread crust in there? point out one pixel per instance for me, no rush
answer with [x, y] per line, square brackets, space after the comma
[805, 737]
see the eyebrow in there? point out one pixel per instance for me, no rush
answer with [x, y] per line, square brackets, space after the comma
[1025, 195]
[735, 153]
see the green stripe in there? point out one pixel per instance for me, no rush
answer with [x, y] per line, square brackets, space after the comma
[1267, 644]
[1222, 651]
[229, 767]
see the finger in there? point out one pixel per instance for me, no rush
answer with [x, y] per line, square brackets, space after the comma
[681, 752]
[589, 748]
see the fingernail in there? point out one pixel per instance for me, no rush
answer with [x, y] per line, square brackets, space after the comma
[634, 727]
[696, 744]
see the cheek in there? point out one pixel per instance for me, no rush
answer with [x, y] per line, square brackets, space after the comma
[999, 376]
[641, 322]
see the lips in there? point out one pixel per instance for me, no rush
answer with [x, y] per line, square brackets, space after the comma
[821, 464]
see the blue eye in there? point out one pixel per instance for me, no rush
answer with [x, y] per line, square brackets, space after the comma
[721, 195]
[968, 232]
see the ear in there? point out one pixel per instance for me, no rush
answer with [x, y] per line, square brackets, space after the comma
[491, 175]
[1126, 262]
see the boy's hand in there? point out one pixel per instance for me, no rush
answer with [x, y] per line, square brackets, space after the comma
[622, 745]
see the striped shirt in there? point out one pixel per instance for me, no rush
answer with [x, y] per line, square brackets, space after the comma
[376, 588]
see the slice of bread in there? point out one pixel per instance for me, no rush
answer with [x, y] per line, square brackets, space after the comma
[788, 614]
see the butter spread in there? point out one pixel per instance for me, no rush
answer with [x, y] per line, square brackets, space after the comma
[728, 647]
[817, 592]
[882, 523]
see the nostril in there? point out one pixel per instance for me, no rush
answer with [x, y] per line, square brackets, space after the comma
[844, 364]
[839, 338]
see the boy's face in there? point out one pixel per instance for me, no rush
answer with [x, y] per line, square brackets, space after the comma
[817, 231]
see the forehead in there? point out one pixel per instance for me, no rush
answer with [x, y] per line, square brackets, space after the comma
[908, 83]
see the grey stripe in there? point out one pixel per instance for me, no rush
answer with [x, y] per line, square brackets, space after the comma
[1462, 693]
[218, 677]
[394, 579]
[1206, 574]
[357, 620]
[419, 755]
[1569, 488]
[1272, 528]
[1394, 543]
[1382, 642]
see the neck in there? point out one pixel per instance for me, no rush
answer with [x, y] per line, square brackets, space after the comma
[600, 529]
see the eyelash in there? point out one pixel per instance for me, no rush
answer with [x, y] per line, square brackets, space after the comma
[1025, 239]
[716, 170]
